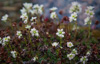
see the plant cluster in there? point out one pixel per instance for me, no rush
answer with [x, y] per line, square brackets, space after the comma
[40, 40]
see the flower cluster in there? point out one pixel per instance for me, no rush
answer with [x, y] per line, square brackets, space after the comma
[37, 9]
[73, 53]
[53, 14]
[24, 17]
[89, 11]
[5, 17]
[39, 42]
[29, 8]
[84, 59]
[14, 54]
[4, 40]
[73, 17]
[75, 7]
[74, 10]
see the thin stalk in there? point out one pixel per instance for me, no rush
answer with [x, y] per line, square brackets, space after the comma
[60, 41]
[89, 31]
[29, 37]
[10, 46]
[25, 40]
[30, 43]
[60, 49]
[75, 30]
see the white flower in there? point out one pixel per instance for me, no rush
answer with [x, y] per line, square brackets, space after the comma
[36, 6]
[88, 53]
[33, 18]
[75, 7]
[23, 10]
[53, 15]
[89, 11]
[34, 11]
[83, 59]
[19, 34]
[70, 44]
[74, 51]
[35, 58]
[70, 56]
[53, 8]
[14, 54]
[5, 40]
[5, 17]
[34, 32]
[28, 6]
[38, 9]
[28, 27]
[91, 14]
[24, 16]
[90, 7]
[26, 21]
[54, 44]
[87, 21]
[73, 17]
[60, 33]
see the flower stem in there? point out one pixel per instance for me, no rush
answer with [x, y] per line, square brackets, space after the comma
[89, 30]
[75, 30]
[30, 37]
[30, 43]
[60, 41]
[10, 46]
